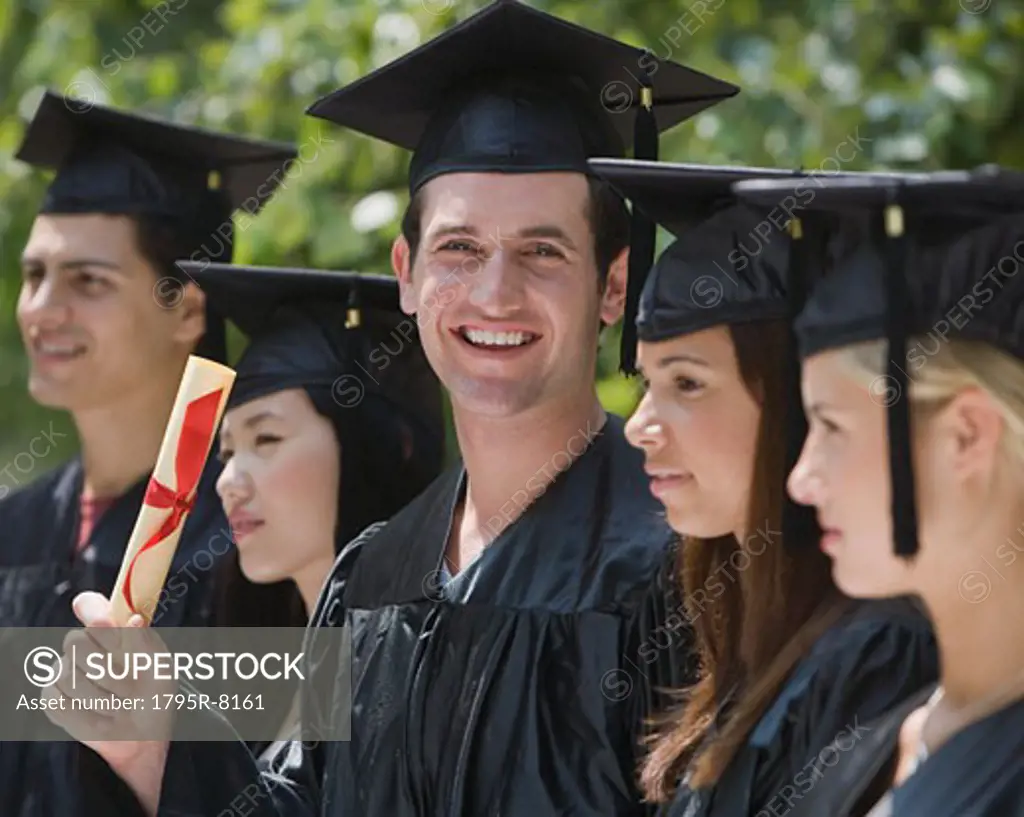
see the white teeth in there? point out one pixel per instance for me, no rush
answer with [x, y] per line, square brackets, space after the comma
[58, 349]
[481, 338]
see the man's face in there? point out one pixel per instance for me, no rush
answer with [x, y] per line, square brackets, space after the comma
[506, 289]
[92, 324]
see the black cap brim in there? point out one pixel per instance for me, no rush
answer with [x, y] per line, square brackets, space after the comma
[249, 296]
[679, 196]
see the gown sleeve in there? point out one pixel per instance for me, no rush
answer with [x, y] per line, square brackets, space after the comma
[859, 669]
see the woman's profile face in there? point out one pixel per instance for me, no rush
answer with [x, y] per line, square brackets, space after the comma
[697, 425]
[843, 471]
[279, 486]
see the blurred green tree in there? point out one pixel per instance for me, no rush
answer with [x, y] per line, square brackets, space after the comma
[914, 84]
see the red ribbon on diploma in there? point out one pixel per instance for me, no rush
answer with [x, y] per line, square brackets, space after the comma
[193, 446]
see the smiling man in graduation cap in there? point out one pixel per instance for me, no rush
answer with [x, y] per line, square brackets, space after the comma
[108, 322]
[500, 620]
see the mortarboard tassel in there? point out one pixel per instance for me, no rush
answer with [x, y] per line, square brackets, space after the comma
[800, 527]
[354, 314]
[359, 341]
[904, 505]
[214, 343]
[642, 231]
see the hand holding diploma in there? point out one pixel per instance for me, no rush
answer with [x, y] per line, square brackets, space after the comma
[135, 743]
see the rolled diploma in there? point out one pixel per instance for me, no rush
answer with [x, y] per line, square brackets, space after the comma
[202, 397]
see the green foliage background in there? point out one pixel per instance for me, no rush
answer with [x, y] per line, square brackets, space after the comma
[917, 84]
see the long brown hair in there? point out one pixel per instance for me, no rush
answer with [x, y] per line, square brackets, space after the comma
[756, 607]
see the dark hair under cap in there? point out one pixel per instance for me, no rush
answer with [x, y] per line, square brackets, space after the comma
[341, 338]
[166, 176]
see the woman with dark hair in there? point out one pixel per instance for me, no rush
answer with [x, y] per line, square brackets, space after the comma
[334, 422]
[790, 668]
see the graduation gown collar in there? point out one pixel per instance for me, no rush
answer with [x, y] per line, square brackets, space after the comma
[601, 499]
[978, 771]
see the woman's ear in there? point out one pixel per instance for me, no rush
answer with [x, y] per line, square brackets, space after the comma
[974, 426]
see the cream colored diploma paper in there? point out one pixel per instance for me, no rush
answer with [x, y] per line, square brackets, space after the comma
[198, 408]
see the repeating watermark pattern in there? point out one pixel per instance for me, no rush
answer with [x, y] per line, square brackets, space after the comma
[814, 770]
[707, 291]
[245, 803]
[25, 462]
[617, 96]
[350, 389]
[82, 94]
[975, 586]
[884, 390]
[437, 7]
[168, 292]
[617, 683]
[540, 481]
[187, 576]
[435, 583]
[975, 6]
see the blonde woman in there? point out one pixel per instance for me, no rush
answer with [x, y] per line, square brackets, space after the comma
[941, 386]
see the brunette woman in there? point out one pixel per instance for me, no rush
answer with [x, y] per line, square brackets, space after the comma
[790, 668]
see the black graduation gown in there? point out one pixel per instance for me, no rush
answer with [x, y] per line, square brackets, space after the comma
[979, 772]
[40, 574]
[523, 692]
[877, 655]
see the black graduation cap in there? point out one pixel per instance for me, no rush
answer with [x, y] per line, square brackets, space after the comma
[925, 243]
[512, 89]
[115, 162]
[305, 327]
[112, 161]
[730, 264]
[681, 195]
[341, 337]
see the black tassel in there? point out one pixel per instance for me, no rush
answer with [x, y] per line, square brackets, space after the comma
[800, 527]
[642, 231]
[904, 505]
[213, 345]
